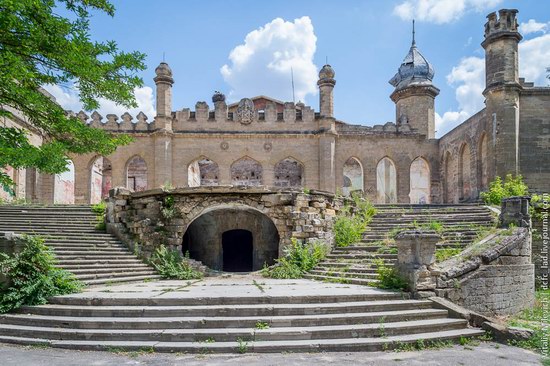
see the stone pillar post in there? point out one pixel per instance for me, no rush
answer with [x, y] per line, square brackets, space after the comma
[515, 211]
[416, 259]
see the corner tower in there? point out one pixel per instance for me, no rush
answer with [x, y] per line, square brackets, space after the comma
[164, 81]
[326, 90]
[414, 94]
[502, 90]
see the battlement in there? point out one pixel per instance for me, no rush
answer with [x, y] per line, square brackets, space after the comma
[506, 22]
[125, 123]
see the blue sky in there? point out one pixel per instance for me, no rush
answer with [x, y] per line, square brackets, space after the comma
[365, 42]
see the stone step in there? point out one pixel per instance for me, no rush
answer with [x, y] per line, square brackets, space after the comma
[62, 258]
[113, 275]
[106, 246]
[344, 274]
[114, 267]
[120, 279]
[53, 230]
[79, 262]
[350, 344]
[358, 270]
[241, 300]
[78, 270]
[230, 334]
[338, 279]
[205, 322]
[372, 310]
[360, 255]
[94, 254]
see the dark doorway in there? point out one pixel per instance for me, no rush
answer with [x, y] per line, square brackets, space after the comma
[237, 250]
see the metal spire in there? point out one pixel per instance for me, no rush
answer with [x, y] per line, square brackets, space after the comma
[414, 41]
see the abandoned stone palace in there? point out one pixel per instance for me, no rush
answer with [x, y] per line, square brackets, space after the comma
[263, 141]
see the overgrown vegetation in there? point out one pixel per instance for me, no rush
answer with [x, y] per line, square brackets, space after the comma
[442, 254]
[352, 221]
[299, 258]
[535, 319]
[100, 209]
[168, 209]
[388, 277]
[169, 264]
[498, 189]
[32, 276]
[41, 47]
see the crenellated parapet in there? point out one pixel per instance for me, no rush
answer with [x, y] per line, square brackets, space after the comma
[124, 123]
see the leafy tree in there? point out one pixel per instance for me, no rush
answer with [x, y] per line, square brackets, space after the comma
[39, 47]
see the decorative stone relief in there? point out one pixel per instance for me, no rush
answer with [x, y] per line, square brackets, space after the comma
[224, 145]
[245, 111]
[268, 146]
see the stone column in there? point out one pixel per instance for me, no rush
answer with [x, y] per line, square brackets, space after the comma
[416, 259]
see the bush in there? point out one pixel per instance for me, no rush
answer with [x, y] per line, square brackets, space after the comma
[299, 258]
[169, 264]
[388, 278]
[33, 276]
[509, 188]
[99, 209]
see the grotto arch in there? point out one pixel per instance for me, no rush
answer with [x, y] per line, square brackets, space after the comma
[233, 238]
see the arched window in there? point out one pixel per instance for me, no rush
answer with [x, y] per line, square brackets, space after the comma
[136, 174]
[101, 173]
[203, 172]
[289, 173]
[386, 181]
[353, 176]
[420, 181]
[483, 162]
[63, 191]
[465, 177]
[246, 172]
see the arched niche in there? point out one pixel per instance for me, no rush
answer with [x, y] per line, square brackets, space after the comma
[353, 176]
[203, 172]
[420, 181]
[386, 181]
[289, 172]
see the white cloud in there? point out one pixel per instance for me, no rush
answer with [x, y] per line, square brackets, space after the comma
[534, 58]
[532, 26]
[68, 99]
[440, 11]
[262, 65]
[468, 77]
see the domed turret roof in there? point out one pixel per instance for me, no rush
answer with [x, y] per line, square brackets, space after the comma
[327, 72]
[415, 70]
[163, 70]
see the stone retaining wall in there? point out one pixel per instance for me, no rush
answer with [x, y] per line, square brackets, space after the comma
[142, 219]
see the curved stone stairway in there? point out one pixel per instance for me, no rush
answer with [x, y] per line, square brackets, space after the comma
[94, 256]
[233, 315]
[355, 264]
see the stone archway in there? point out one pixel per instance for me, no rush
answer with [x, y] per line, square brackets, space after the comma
[203, 172]
[386, 181]
[246, 172]
[353, 176]
[101, 173]
[232, 238]
[419, 181]
[63, 191]
[136, 174]
[289, 172]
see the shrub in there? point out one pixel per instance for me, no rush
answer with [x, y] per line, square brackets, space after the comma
[388, 278]
[299, 258]
[33, 277]
[512, 186]
[169, 264]
[99, 209]
[442, 254]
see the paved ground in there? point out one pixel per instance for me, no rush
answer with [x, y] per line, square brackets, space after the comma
[485, 354]
[226, 285]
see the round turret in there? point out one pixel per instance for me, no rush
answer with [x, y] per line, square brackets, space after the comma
[414, 70]
[327, 72]
[218, 97]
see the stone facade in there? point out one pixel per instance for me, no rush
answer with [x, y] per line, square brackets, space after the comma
[255, 141]
[145, 220]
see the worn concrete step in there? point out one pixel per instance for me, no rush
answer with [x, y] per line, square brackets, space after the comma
[114, 275]
[344, 274]
[52, 230]
[360, 255]
[93, 254]
[78, 270]
[84, 246]
[223, 321]
[367, 265]
[110, 267]
[373, 310]
[105, 261]
[120, 279]
[338, 279]
[351, 344]
[229, 334]
[64, 258]
[241, 300]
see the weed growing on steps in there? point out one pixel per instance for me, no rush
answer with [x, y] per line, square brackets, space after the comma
[351, 223]
[259, 286]
[32, 276]
[169, 264]
[442, 254]
[387, 277]
[262, 325]
[242, 346]
[299, 258]
[99, 209]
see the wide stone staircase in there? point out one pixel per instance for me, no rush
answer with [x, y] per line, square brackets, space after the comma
[94, 256]
[459, 226]
[292, 316]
